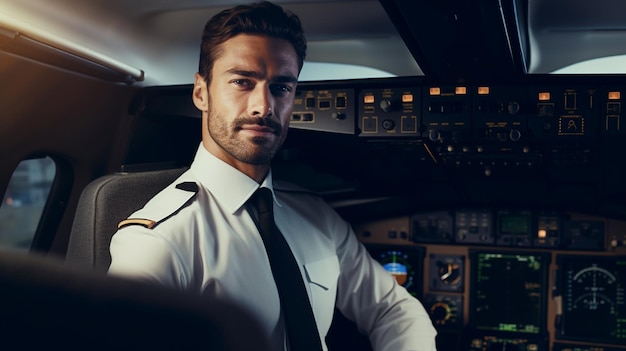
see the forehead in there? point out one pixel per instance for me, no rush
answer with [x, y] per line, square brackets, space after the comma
[258, 52]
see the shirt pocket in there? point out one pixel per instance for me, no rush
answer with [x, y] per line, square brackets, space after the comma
[322, 276]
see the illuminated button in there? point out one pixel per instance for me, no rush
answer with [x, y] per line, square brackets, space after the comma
[483, 90]
[435, 91]
[542, 233]
[460, 90]
[614, 95]
[545, 96]
[368, 99]
[407, 98]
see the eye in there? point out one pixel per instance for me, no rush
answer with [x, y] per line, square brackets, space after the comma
[281, 89]
[242, 83]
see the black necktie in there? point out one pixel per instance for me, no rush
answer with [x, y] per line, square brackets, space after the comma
[299, 320]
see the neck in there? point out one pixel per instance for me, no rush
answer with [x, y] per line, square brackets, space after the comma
[258, 172]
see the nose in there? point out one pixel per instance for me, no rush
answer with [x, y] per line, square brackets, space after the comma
[261, 102]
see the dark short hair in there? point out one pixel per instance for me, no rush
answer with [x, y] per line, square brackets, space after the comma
[264, 18]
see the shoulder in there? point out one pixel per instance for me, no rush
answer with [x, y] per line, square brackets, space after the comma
[300, 198]
[288, 188]
[164, 205]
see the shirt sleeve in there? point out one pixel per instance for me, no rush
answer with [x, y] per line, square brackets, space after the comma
[143, 254]
[367, 294]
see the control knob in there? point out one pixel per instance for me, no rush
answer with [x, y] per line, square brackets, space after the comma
[388, 124]
[386, 105]
[513, 107]
[515, 135]
[434, 135]
[339, 116]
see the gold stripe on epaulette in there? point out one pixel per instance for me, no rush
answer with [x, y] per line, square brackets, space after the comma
[148, 223]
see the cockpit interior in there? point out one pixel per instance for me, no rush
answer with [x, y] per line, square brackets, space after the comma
[476, 147]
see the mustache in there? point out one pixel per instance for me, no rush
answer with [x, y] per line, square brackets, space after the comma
[276, 127]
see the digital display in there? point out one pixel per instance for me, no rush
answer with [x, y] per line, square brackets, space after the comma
[404, 263]
[514, 224]
[508, 291]
[592, 291]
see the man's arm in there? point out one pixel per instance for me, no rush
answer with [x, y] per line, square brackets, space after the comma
[141, 253]
[371, 297]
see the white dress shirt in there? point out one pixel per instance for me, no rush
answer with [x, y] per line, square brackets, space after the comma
[207, 242]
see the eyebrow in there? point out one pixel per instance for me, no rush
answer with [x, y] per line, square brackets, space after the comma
[257, 75]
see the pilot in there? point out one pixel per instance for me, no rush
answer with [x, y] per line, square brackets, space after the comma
[204, 233]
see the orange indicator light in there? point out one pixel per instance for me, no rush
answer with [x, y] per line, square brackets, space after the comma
[407, 98]
[483, 90]
[435, 91]
[545, 96]
[615, 95]
[460, 90]
[542, 233]
[368, 99]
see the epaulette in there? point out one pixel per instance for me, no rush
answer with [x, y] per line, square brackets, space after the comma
[162, 206]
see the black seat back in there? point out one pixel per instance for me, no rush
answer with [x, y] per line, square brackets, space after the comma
[46, 305]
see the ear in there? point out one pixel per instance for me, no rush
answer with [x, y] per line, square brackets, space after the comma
[200, 93]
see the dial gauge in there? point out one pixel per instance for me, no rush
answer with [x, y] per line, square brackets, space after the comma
[446, 311]
[446, 272]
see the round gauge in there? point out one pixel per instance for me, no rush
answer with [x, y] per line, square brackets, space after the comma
[446, 272]
[398, 263]
[449, 272]
[446, 311]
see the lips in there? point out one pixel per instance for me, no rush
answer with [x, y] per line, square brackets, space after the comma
[258, 125]
[256, 130]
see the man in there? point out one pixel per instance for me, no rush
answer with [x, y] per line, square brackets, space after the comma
[200, 234]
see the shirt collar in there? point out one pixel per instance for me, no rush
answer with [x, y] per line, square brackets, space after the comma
[230, 187]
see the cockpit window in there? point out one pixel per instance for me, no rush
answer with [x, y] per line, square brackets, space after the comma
[575, 37]
[312, 71]
[24, 201]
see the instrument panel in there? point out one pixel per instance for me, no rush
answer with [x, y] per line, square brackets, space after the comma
[541, 127]
[516, 294]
